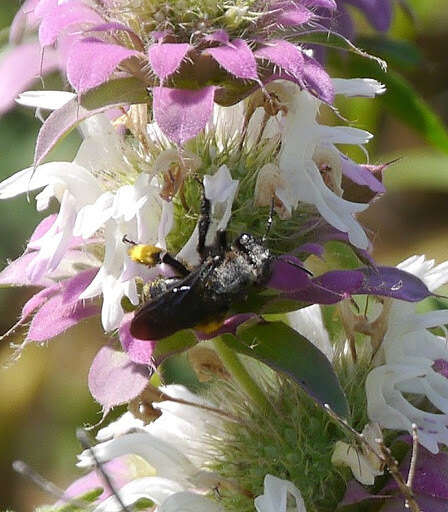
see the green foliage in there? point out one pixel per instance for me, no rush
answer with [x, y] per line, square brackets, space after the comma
[404, 102]
[286, 351]
[178, 342]
[294, 443]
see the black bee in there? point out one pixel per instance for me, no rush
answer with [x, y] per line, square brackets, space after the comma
[202, 297]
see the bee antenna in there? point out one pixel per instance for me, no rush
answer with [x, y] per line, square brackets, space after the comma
[294, 264]
[49, 487]
[86, 444]
[270, 220]
[126, 240]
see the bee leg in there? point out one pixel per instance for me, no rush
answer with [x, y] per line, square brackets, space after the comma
[175, 264]
[204, 224]
[221, 242]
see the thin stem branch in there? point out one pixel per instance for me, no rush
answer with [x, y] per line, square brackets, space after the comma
[240, 374]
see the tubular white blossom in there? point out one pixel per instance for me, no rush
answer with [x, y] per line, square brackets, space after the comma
[275, 497]
[412, 355]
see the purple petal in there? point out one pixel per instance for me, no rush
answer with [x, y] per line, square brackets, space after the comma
[24, 19]
[57, 125]
[20, 67]
[64, 16]
[356, 493]
[288, 274]
[220, 36]
[331, 5]
[285, 55]
[431, 473]
[63, 309]
[44, 7]
[119, 27]
[329, 288]
[139, 351]
[312, 248]
[378, 12]
[15, 273]
[392, 282]
[39, 299]
[72, 288]
[229, 326]
[91, 62]
[42, 228]
[55, 317]
[317, 80]
[290, 13]
[114, 379]
[118, 470]
[363, 175]
[165, 58]
[441, 366]
[426, 503]
[180, 113]
[237, 58]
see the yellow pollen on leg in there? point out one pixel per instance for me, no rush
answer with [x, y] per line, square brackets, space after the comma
[210, 326]
[145, 254]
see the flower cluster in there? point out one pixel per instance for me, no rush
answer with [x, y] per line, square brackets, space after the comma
[199, 216]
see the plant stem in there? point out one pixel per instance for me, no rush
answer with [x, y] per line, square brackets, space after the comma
[240, 374]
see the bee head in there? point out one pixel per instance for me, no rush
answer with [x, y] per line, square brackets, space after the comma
[253, 248]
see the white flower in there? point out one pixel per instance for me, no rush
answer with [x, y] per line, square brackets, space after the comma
[172, 476]
[73, 186]
[172, 453]
[364, 464]
[309, 323]
[302, 138]
[415, 362]
[93, 212]
[366, 87]
[278, 495]
[220, 189]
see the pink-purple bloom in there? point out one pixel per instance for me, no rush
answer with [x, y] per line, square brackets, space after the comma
[186, 66]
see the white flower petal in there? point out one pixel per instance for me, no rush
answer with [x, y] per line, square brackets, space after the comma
[275, 497]
[154, 488]
[387, 406]
[302, 180]
[168, 461]
[346, 455]
[366, 87]
[344, 135]
[309, 323]
[76, 178]
[189, 502]
[220, 190]
[47, 100]
[122, 425]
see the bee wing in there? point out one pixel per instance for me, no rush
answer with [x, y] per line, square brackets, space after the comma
[180, 307]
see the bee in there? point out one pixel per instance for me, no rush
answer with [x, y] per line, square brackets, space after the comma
[201, 298]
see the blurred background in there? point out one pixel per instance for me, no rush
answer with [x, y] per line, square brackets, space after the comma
[44, 394]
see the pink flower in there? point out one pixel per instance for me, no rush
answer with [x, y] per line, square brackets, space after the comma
[187, 69]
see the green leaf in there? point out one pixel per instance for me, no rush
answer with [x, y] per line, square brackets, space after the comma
[121, 91]
[404, 101]
[288, 352]
[61, 122]
[175, 344]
